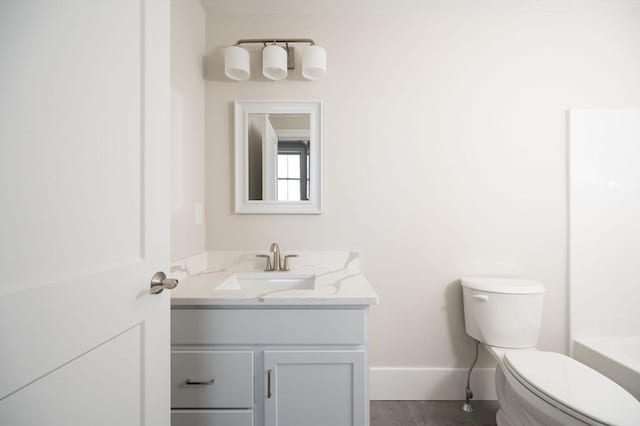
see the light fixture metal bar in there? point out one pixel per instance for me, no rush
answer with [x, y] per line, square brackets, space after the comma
[274, 40]
[291, 57]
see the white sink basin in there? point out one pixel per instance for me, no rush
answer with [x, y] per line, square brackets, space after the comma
[268, 281]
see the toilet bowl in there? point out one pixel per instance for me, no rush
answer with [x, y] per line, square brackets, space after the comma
[536, 387]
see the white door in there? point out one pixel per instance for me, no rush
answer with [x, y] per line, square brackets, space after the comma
[315, 388]
[84, 220]
[269, 161]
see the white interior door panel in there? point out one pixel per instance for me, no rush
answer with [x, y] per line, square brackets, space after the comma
[84, 189]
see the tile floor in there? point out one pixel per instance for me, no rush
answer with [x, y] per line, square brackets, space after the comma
[432, 413]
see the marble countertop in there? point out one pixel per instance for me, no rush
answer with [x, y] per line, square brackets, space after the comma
[338, 280]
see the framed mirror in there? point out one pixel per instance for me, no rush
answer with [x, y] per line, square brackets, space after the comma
[278, 156]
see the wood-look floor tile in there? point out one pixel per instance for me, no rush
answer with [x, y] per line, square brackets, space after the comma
[440, 413]
[432, 413]
[391, 413]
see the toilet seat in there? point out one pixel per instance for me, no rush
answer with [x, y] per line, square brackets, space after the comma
[573, 388]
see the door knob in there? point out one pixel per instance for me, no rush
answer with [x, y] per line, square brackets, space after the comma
[159, 282]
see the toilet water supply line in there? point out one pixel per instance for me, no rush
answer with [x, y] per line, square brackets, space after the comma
[466, 407]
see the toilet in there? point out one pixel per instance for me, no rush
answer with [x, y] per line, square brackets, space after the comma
[536, 387]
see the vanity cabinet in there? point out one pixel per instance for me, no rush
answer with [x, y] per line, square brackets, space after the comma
[315, 388]
[269, 366]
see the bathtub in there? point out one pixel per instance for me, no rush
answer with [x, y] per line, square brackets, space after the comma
[615, 357]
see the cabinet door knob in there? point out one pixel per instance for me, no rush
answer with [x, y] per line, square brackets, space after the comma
[269, 394]
[193, 382]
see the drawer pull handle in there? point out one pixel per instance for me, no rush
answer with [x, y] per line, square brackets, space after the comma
[269, 394]
[192, 382]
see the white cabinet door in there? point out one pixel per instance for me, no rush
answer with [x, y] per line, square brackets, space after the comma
[84, 223]
[315, 388]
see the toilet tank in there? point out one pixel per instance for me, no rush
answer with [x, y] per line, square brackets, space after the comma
[504, 312]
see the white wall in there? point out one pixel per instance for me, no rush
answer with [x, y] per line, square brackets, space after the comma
[604, 225]
[445, 148]
[187, 127]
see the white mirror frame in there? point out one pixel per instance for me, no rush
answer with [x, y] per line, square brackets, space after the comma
[242, 203]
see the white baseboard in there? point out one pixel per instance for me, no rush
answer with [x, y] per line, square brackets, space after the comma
[398, 383]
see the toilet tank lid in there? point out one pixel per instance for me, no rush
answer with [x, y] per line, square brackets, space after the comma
[503, 285]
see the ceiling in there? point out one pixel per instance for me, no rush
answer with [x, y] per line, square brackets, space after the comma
[305, 6]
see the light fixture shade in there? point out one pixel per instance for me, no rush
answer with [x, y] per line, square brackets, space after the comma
[314, 63]
[236, 63]
[274, 62]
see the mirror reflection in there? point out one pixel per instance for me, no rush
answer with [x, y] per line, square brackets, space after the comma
[279, 163]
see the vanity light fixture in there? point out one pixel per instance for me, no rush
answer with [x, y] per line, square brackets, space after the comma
[274, 62]
[314, 62]
[236, 63]
[277, 58]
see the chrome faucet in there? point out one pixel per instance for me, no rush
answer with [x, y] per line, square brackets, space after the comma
[275, 250]
[276, 264]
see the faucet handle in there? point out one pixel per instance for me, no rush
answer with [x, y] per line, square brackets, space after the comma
[269, 267]
[285, 267]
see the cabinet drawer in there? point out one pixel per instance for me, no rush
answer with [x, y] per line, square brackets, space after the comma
[212, 379]
[268, 326]
[211, 418]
